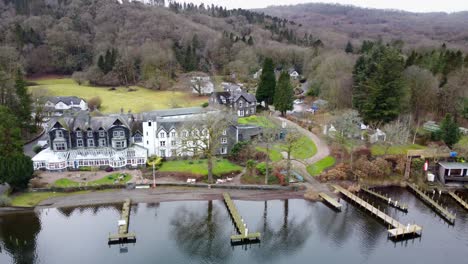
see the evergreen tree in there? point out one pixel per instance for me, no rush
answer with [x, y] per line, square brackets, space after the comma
[16, 170]
[23, 110]
[284, 94]
[10, 133]
[349, 48]
[465, 62]
[101, 64]
[378, 84]
[266, 87]
[449, 131]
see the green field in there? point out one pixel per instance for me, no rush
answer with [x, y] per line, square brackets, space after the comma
[108, 180]
[274, 154]
[199, 167]
[379, 150]
[318, 167]
[31, 199]
[305, 148]
[112, 101]
[256, 120]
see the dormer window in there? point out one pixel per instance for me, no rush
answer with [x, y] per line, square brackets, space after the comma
[162, 135]
[240, 104]
[79, 134]
[224, 132]
[173, 134]
[89, 133]
[59, 134]
[102, 133]
[119, 133]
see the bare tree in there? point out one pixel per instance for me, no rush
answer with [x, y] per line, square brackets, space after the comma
[270, 132]
[197, 84]
[291, 142]
[206, 137]
[397, 132]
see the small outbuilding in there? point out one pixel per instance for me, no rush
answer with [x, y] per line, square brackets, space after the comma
[453, 171]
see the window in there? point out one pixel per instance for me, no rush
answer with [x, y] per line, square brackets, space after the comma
[185, 134]
[102, 142]
[162, 135]
[223, 150]
[247, 112]
[60, 146]
[89, 134]
[163, 153]
[119, 133]
[224, 132]
[246, 104]
[252, 110]
[174, 152]
[149, 123]
[79, 134]
[204, 132]
[173, 143]
[79, 143]
[90, 142]
[102, 133]
[59, 133]
[119, 144]
[240, 104]
[223, 140]
[241, 112]
[173, 134]
[137, 138]
[162, 143]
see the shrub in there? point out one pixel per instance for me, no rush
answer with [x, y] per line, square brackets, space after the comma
[94, 103]
[5, 201]
[37, 149]
[86, 168]
[154, 159]
[205, 104]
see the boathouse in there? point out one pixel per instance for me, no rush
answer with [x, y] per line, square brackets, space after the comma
[453, 171]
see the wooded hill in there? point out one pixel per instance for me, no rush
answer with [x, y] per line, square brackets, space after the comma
[336, 24]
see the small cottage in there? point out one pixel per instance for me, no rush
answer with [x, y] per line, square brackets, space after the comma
[453, 171]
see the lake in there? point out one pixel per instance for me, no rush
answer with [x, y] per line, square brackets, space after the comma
[293, 231]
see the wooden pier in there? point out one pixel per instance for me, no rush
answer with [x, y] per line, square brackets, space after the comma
[388, 200]
[437, 207]
[244, 236]
[330, 201]
[123, 236]
[459, 200]
[396, 229]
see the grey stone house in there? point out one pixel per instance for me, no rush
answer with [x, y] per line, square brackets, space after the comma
[242, 103]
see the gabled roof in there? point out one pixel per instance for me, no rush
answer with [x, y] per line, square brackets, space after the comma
[65, 99]
[175, 112]
[247, 96]
[219, 96]
[454, 165]
[84, 121]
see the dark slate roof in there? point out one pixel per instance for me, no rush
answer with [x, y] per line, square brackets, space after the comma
[219, 97]
[85, 121]
[247, 96]
[153, 115]
[65, 99]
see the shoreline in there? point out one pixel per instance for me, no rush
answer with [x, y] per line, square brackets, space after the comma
[164, 194]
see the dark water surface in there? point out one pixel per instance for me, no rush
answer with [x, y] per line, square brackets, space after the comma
[294, 231]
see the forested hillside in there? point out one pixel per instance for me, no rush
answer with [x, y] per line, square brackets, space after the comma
[335, 24]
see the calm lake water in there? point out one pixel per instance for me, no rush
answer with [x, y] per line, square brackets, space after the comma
[294, 231]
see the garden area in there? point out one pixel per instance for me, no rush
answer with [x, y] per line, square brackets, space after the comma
[256, 120]
[379, 149]
[200, 167]
[137, 99]
[318, 167]
[115, 178]
[31, 199]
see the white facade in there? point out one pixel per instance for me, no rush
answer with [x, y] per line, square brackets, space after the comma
[63, 106]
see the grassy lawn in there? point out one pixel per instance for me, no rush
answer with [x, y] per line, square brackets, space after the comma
[258, 179]
[317, 168]
[256, 120]
[199, 167]
[107, 180]
[274, 154]
[379, 150]
[306, 148]
[138, 101]
[31, 199]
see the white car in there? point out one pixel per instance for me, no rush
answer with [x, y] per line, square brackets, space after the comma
[298, 101]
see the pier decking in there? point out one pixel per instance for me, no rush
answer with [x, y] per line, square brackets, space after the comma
[330, 200]
[459, 200]
[396, 228]
[123, 236]
[244, 235]
[437, 207]
[388, 200]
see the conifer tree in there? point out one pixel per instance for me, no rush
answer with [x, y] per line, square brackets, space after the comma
[251, 42]
[284, 94]
[449, 131]
[349, 48]
[23, 109]
[266, 87]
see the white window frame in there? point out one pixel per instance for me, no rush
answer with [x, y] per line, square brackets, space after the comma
[173, 134]
[79, 142]
[224, 140]
[162, 152]
[59, 134]
[102, 142]
[102, 133]
[173, 143]
[118, 133]
[223, 150]
[162, 135]
[240, 104]
[90, 142]
[224, 132]
[162, 143]
[62, 147]
[89, 133]
[79, 134]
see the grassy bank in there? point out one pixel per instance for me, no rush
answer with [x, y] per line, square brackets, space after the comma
[112, 101]
[318, 167]
[256, 120]
[200, 167]
[379, 150]
[31, 199]
[274, 154]
[107, 180]
[305, 148]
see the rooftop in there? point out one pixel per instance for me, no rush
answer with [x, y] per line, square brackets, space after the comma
[454, 165]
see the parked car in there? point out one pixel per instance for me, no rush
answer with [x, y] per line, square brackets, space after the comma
[298, 101]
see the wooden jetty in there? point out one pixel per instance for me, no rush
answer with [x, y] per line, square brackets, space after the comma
[388, 200]
[331, 201]
[437, 207]
[396, 229]
[459, 200]
[123, 236]
[244, 236]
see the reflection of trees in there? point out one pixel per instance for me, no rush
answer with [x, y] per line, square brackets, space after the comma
[199, 234]
[18, 232]
[68, 211]
[289, 238]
